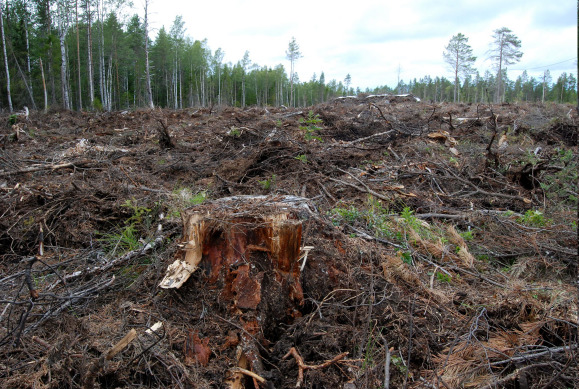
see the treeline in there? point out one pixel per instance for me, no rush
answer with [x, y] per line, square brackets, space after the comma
[481, 89]
[85, 55]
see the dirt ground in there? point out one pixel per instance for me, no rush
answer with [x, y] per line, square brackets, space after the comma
[443, 247]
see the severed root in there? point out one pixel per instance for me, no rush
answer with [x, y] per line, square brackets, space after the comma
[303, 367]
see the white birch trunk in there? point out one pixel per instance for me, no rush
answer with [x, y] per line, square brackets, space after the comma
[62, 25]
[5, 57]
[147, 66]
[78, 58]
[90, 65]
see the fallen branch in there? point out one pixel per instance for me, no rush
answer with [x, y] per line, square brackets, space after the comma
[365, 187]
[126, 257]
[484, 192]
[514, 375]
[364, 139]
[302, 366]
[32, 169]
[531, 355]
[99, 364]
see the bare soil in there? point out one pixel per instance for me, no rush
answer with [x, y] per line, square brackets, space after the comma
[444, 246]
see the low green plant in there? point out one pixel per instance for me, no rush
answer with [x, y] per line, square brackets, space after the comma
[467, 235]
[184, 197]
[407, 215]
[560, 185]
[98, 106]
[310, 127]
[372, 347]
[12, 119]
[127, 237]
[406, 256]
[124, 239]
[349, 215]
[302, 158]
[398, 362]
[278, 123]
[269, 183]
[533, 218]
[443, 277]
[235, 132]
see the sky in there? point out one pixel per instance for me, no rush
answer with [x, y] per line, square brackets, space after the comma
[376, 42]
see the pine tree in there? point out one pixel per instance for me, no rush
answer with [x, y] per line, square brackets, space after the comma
[505, 51]
[458, 55]
[293, 54]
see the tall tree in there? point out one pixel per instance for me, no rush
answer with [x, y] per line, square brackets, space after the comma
[63, 10]
[505, 51]
[347, 82]
[458, 55]
[293, 54]
[217, 60]
[78, 57]
[5, 58]
[89, 49]
[546, 81]
[245, 62]
[147, 65]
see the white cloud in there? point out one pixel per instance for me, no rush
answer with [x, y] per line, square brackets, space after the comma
[370, 39]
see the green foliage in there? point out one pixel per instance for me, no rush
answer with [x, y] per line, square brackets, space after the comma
[12, 119]
[561, 185]
[183, 197]
[406, 256]
[398, 362]
[139, 212]
[302, 158]
[124, 239]
[269, 183]
[98, 106]
[466, 235]
[234, 132]
[407, 215]
[443, 277]
[310, 127]
[533, 218]
[349, 215]
[127, 237]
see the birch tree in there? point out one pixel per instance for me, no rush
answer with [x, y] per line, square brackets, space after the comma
[5, 57]
[62, 15]
[217, 60]
[458, 55]
[148, 91]
[78, 57]
[89, 50]
[245, 62]
[504, 51]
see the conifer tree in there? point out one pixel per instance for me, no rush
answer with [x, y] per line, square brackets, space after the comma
[458, 55]
[293, 54]
[505, 51]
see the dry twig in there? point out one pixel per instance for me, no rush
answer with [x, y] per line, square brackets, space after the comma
[302, 366]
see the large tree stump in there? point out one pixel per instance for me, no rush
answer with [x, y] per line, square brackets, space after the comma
[248, 245]
[249, 249]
